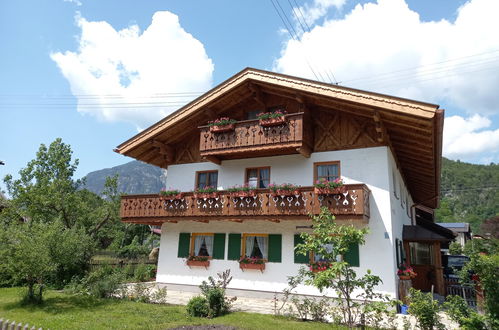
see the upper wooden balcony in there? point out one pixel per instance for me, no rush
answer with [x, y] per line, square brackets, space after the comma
[250, 139]
[151, 209]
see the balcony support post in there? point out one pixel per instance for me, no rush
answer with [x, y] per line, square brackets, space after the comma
[213, 159]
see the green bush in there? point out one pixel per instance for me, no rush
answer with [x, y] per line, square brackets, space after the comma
[104, 282]
[425, 309]
[134, 250]
[214, 293]
[198, 306]
[459, 312]
[144, 273]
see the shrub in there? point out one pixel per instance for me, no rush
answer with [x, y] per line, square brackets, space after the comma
[425, 309]
[459, 312]
[104, 282]
[214, 294]
[198, 306]
[134, 250]
[455, 248]
[144, 273]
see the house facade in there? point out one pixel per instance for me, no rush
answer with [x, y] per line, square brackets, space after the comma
[386, 150]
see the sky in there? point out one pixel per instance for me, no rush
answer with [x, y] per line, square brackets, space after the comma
[97, 72]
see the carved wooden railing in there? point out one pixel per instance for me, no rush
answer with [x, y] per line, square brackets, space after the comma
[249, 136]
[353, 204]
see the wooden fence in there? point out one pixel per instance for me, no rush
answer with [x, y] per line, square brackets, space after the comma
[94, 264]
[468, 293]
[12, 325]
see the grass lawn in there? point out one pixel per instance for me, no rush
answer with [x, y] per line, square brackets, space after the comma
[64, 311]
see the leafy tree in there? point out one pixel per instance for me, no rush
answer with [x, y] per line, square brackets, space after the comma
[332, 242]
[455, 248]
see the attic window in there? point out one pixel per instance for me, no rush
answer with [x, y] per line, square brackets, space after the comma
[251, 115]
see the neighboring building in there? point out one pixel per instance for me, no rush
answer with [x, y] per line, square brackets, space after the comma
[461, 229]
[386, 149]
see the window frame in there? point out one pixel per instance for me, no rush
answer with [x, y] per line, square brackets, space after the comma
[243, 243]
[196, 184]
[193, 238]
[333, 162]
[258, 174]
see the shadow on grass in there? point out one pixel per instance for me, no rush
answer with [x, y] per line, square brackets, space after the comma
[63, 304]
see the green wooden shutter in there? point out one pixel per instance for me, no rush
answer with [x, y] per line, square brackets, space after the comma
[352, 255]
[275, 248]
[234, 250]
[300, 258]
[184, 241]
[219, 246]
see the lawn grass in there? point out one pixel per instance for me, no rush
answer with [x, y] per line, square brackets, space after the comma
[64, 311]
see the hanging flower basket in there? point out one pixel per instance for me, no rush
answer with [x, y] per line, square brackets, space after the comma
[222, 128]
[330, 191]
[259, 267]
[198, 263]
[273, 121]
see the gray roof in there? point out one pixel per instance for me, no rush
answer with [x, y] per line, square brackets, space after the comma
[456, 226]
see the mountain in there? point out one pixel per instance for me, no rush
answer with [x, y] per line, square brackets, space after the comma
[469, 192]
[133, 178]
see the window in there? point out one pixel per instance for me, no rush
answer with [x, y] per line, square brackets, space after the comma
[255, 246]
[251, 115]
[326, 171]
[202, 245]
[206, 179]
[421, 253]
[258, 177]
[318, 257]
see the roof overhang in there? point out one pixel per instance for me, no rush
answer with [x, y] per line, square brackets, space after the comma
[415, 128]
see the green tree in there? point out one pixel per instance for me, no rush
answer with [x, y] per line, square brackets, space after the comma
[332, 241]
[455, 248]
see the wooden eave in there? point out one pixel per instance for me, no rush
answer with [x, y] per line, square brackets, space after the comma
[413, 129]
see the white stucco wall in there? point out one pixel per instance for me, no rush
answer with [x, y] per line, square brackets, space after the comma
[371, 166]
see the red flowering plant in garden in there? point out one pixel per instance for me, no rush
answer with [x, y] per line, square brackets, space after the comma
[319, 266]
[251, 260]
[406, 270]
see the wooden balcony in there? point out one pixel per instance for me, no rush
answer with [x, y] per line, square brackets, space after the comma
[250, 139]
[353, 205]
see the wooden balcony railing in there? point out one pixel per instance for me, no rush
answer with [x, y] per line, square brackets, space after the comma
[151, 209]
[249, 138]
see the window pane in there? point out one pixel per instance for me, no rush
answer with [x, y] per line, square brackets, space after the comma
[256, 247]
[212, 179]
[252, 175]
[203, 245]
[421, 253]
[328, 172]
[264, 178]
[202, 179]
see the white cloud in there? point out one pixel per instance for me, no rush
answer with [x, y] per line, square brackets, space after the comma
[316, 10]
[76, 2]
[136, 77]
[465, 138]
[388, 37]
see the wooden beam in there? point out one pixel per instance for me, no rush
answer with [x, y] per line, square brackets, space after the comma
[304, 150]
[274, 220]
[213, 159]
[257, 94]
[236, 220]
[380, 128]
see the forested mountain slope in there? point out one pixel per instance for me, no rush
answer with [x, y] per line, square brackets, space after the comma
[470, 193]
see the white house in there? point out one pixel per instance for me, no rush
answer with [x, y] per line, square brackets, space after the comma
[386, 149]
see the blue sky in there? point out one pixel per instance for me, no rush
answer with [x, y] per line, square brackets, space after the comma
[96, 72]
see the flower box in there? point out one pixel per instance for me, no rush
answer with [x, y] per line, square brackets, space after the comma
[222, 128]
[330, 191]
[404, 277]
[273, 121]
[280, 192]
[171, 197]
[201, 195]
[198, 263]
[259, 267]
[248, 193]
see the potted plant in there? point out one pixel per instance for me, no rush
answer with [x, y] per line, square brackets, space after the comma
[319, 266]
[405, 272]
[252, 263]
[284, 189]
[170, 194]
[224, 124]
[206, 192]
[325, 187]
[198, 261]
[242, 191]
[272, 118]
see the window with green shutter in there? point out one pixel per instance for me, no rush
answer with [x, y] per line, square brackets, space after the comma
[234, 248]
[184, 240]
[300, 258]
[275, 248]
[352, 255]
[219, 246]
